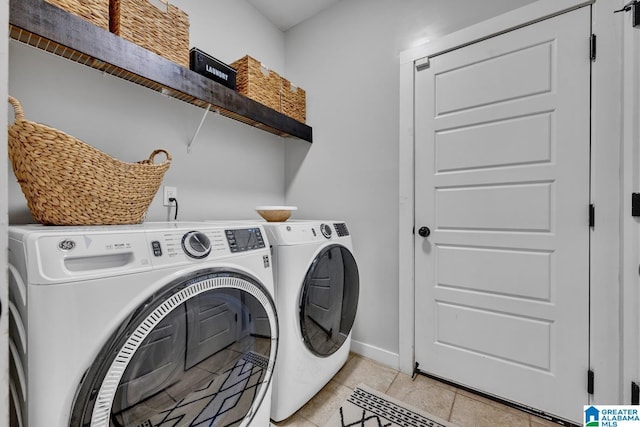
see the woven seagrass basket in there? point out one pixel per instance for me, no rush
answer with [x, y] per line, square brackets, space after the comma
[68, 182]
[165, 32]
[257, 82]
[94, 11]
[293, 101]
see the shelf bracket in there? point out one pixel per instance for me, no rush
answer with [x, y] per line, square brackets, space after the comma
[195, 134]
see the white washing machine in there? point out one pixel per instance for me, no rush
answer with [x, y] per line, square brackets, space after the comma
[156, 324]
[317, 288]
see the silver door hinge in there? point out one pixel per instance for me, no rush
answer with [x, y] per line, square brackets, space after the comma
[422, 64]
[592, 47]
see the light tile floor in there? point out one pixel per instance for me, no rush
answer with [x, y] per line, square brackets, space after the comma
[457, 406]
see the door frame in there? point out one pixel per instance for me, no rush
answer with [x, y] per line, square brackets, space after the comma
[630, 171]
[606, 325]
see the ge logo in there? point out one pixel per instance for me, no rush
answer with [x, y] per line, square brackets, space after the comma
[66, 245]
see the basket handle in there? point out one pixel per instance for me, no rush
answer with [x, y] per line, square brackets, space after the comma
[162, 6]
[17, 108]
[158, 151]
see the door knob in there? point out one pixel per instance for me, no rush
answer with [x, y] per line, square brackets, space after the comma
[424, 231]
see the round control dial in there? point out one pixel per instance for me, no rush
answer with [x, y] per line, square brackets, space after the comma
[326, 230]
[196, 244]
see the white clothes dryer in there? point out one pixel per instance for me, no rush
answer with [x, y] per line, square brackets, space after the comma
[317, 288]
[155, 324]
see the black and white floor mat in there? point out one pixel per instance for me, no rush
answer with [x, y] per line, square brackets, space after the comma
[367, 407]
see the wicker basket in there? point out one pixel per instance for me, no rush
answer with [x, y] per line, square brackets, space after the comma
[257, 82]
[165, 32]
[68, 182]
[94, 11]
[293, 101]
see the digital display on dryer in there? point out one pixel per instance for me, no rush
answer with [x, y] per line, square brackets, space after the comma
[245, 239]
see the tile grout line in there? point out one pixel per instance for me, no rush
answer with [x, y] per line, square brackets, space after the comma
[386, 391]
[455, 396]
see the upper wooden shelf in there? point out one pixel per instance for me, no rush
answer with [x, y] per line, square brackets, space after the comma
[47, 27]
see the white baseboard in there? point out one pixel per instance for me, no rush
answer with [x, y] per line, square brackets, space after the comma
[382, 356]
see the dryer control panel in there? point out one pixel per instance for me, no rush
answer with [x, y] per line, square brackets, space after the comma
[341, 229]
[297, 232]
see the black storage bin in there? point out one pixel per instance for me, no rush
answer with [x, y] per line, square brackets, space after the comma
[210, 67]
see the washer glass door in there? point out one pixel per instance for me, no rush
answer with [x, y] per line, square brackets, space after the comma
[200, 352]
[329, 300]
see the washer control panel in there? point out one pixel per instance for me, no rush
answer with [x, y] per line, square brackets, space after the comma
[73, 253]
[168, 247]
[196, 244]
[244, 239]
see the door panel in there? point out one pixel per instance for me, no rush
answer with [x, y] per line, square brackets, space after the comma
[492, 334]
[496, 79]
[484, 271]
[512, 207]
[489, 145]
[502, 180]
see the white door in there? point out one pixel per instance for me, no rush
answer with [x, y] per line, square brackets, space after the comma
[502, 182]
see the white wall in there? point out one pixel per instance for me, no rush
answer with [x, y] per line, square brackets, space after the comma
[346, 58]
[232, 167]
[230, 29]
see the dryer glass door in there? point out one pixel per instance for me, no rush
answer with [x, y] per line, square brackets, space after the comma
[200, 352]
[329, 300]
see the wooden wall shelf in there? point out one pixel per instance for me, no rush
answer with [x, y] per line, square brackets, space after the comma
[47, 27]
